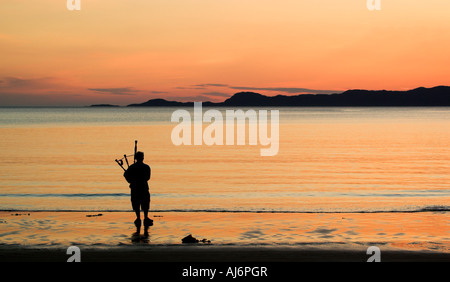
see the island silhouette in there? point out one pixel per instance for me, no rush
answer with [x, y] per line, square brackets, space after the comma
[419, 97]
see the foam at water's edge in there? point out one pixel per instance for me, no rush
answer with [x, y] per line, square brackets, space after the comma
[416, 210]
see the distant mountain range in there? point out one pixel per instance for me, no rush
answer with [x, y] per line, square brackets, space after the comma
[436, 96]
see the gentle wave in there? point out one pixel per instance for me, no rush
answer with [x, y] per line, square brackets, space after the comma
[80, 195]
[425, 193]
[417, 210]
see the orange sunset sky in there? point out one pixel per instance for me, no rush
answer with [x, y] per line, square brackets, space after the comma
[129, 51]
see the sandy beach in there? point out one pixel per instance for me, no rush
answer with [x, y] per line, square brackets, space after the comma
[239, 237]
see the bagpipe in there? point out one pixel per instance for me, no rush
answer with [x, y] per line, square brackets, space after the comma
[125, 157]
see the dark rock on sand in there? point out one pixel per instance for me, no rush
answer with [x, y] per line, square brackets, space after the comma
[189, 239]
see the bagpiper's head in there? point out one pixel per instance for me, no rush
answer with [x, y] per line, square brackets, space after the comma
[139, 157]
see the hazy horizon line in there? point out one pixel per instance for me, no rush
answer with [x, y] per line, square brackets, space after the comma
[99, 105]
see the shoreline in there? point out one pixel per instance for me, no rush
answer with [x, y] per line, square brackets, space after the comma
[426, 209]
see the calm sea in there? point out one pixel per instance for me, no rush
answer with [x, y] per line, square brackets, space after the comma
[330, 160]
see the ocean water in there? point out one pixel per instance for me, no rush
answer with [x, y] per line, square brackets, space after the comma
[330, 160]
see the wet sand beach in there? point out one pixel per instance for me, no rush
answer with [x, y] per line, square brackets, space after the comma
[237, 237]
